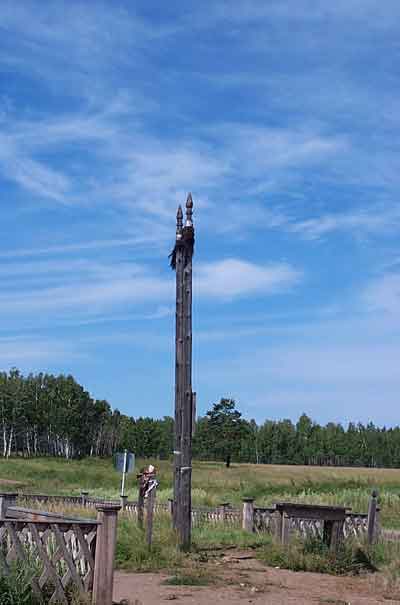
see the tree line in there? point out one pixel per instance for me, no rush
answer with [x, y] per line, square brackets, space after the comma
[47, 415]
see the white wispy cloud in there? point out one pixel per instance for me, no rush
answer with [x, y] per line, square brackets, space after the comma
[343, 369]
[96, 244]
[123, 165]
[383, 294]
[75, 45]
[35, 352]
[274, 119]
[33, 176]
[146, 176]
[257, 148]
[341, 366]
[93, 296]
[348, 382]
[93, 288]
[357, 222]
[232, 278]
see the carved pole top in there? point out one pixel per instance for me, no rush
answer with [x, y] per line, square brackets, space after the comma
[189, 211]
[179, 222]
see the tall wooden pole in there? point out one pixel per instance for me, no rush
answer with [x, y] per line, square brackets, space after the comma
[182, 263]
[178, 263]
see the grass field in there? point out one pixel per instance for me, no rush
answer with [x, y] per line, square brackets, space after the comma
[213, 483]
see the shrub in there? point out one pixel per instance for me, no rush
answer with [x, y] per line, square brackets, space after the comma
[314, 555]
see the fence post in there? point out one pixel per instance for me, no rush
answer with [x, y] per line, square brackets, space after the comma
[107, 515]
[279, 527]
[377, 524]
[6, 500]
[222, 508]
[333, 534]
[171, 506]
[150, 501]
[84, 497]
[248, 515]
[337, 535]
[371, 522]
[285, 529]
[124, 500]
[140, 502]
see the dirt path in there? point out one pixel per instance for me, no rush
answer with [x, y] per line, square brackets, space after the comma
[248, 581]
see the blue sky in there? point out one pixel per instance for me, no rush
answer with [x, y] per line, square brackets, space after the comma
[282, 118]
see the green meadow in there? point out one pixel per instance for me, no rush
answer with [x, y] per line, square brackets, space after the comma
[213, 483]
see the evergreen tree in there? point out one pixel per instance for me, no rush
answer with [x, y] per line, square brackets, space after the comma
[226, 429]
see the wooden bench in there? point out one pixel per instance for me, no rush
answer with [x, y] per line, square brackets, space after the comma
[332, 517]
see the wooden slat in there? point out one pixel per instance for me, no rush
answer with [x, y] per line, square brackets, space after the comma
[65, 548]
[59, 590]
[84, 546]
[67, 557]
[21, 553]
[3, 563]
[41, 526]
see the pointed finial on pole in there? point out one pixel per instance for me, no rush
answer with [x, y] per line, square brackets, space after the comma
[179, 222]
[189, 211]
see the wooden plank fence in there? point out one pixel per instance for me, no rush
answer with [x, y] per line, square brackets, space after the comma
[78, 554]
[68, 555]
[290, 518]
[250, 517]
[356, 524]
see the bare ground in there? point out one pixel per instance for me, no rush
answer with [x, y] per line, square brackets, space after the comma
[238, 579]
[10, 482]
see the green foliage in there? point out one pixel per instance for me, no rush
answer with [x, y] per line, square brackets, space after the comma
[46, 415]
[15, 588]
[313, 555]
[305, 443]
[54, 416]
[132, 552]
[225, 430]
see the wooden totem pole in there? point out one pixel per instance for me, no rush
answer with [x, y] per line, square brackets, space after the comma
[181, 262]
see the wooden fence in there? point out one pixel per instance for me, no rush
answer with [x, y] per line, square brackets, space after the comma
[250, 517]
[258, 518]
[202, 514]
[75, 554]
[285, 519]
[67, 556]
[355, 524]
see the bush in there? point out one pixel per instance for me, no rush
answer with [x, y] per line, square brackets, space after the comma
[16, 588]
[133, 553]
[314, 555]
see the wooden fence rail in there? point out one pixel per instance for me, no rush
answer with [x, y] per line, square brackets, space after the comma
[201, 514]
[250, 517]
